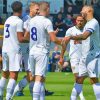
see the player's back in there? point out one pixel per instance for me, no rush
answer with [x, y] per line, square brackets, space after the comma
[39, 37]
[10, 41]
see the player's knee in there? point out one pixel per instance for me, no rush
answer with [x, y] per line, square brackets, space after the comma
[80, 80]
[94, 80]
[30, 77]
[14, 75]
[39, 78]
[5, 74]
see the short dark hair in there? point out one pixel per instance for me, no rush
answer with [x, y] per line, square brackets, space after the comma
[80, 15]
[16, 6]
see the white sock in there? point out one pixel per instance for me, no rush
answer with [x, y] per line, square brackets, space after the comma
[37, 90]
[42, 94]
[76, 91]
[31, 85]
[10, 88]
[96, 88]
[20, 86]
[81, 96]
[2, 85]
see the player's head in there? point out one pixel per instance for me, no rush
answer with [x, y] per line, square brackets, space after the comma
[44, 8]
[87, 12]
[34, 8]
[80, 21]
[17, 7]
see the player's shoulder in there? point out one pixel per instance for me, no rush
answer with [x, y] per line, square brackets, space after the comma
[26, 18]
[41, 19]
[20, 21]
[94, 21]
[13, 19]
[71, 28]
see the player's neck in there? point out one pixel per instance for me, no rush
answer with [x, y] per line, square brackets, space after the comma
[16, 14]
[89, 18]
[42, 14]
[80, 28]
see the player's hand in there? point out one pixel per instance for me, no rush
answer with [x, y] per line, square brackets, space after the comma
[61, 62]
[56, 31]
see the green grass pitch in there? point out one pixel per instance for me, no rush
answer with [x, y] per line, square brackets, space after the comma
[61, 84]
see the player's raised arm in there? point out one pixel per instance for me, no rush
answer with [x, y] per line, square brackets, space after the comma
[54, 39]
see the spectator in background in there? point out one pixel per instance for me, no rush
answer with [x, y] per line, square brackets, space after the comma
[59, 23]
[97, 11]
[55, 58]
[62, 12]
[69, 10]
[68, 21]
[54, 61]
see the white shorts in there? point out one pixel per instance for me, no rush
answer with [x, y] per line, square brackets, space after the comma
[11, 61]
[25, 61]
[74, 65]
[38, 64]
[89, 66]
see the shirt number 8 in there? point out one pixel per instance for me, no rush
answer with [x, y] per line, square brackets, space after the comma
[34, 34]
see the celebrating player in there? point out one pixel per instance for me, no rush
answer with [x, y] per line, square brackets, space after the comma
[41, 33]
[88, 64]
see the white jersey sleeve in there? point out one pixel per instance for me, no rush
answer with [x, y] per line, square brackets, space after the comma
[19, 27]
[91, 27]
[28, 28]
[12, 25]
[68, 32]
[49, 26]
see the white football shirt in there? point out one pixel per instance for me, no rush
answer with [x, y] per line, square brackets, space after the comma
[92, 43]
[39, 28]
[10, 41]
[75, 46]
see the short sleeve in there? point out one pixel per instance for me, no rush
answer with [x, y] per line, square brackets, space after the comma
[49, 26]
[20, 26]
[92, 26]
[68, 32]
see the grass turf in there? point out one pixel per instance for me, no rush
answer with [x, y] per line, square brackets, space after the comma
[61, 84]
